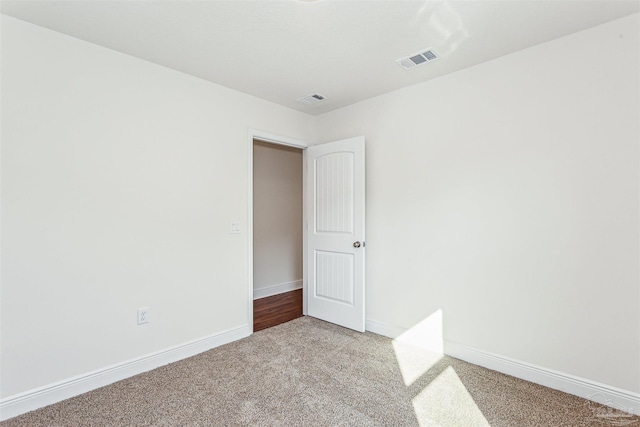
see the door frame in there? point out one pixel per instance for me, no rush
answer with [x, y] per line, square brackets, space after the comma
[289, 142]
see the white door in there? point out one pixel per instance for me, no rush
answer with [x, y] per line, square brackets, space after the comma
[335, 234]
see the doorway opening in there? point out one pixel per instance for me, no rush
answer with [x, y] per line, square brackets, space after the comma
[277, 211]
[333, 207]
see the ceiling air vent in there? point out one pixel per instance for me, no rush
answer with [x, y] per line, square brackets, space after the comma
[311, 99]
[417, 59]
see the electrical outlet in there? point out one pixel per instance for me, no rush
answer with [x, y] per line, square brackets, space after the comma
[143, 315]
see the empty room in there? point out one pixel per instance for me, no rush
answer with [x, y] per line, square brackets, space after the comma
[320, 212]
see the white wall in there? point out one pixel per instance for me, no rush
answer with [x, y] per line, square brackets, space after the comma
[507, 196]
[119, 181]
[277, 215]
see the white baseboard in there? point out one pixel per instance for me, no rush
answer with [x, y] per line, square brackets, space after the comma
[601, 393]
[21, 403]
[611, 396]
[277, 289]
[383, 329]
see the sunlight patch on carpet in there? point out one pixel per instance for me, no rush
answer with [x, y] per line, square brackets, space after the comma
[446, 402]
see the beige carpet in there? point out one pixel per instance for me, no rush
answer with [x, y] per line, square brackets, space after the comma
[311, 373]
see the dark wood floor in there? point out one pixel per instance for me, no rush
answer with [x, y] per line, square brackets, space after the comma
[272, 311]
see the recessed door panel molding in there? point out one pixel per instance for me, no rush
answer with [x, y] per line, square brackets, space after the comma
[334, 179]
[334, 277]
[335, 232]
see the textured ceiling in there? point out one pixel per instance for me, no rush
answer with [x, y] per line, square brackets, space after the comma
[282, 50]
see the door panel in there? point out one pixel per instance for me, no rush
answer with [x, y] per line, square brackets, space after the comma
[335, 197]
[334, 276]
[334, 193]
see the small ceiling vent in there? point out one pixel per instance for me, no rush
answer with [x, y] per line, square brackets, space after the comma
[311, 99]
[417, 59]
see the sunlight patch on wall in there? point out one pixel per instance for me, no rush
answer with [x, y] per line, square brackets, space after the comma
[442, 25]
[446, 402]
[421, 347]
